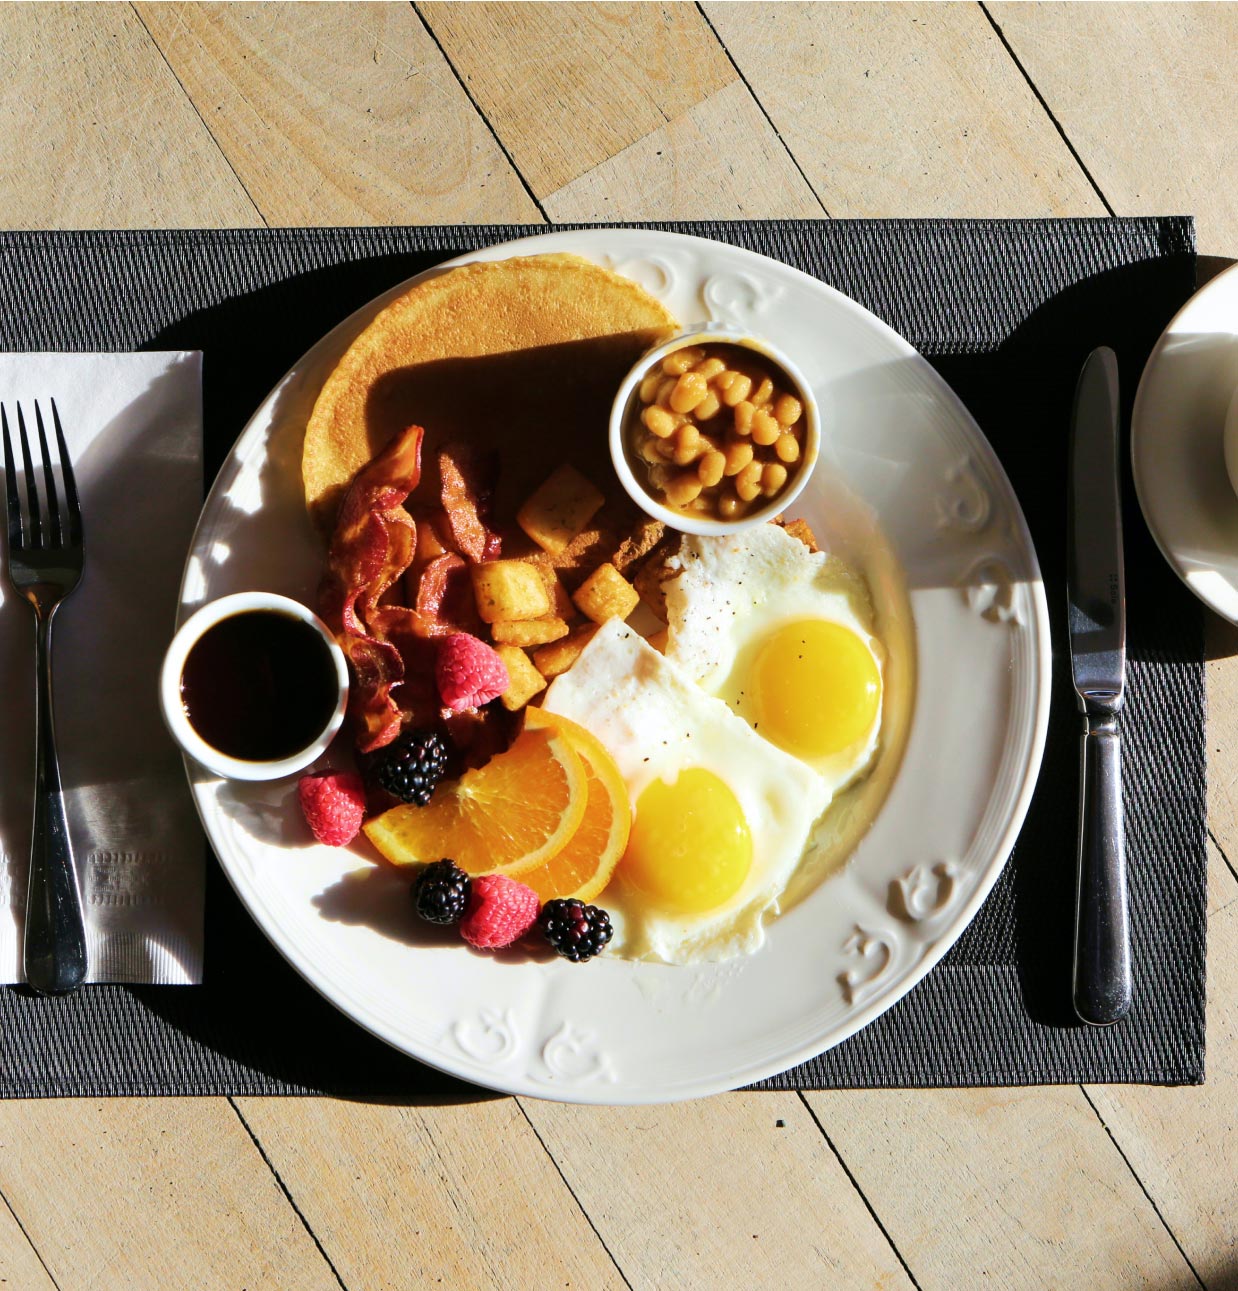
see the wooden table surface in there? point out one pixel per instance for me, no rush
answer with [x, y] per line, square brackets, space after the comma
[171, 115]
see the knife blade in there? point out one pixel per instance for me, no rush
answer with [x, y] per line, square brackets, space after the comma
[1096, 597]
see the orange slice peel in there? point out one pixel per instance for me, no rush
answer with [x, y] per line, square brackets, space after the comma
[583, 867]
[509, 816]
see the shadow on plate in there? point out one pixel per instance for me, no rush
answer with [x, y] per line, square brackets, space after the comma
[378, 897]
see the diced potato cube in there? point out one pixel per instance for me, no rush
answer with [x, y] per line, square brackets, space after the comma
[606, 594]
[558, 656]
[524, 680]
[509, 589]
[659, 640]
[559, 509]
[531, 632]
[560, 602]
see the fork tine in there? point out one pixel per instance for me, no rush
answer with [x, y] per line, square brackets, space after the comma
[12, 501]
[70, 481]
[32, 488]
[49, 480]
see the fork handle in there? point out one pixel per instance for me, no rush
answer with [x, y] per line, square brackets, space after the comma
[55, 944]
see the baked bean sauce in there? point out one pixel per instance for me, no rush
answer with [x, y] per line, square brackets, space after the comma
[259, 685]
[717, 429]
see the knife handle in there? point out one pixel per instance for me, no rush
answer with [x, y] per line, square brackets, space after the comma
[1102, 976]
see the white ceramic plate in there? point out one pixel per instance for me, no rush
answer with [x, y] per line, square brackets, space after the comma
[1177, 444]
[618, 1032]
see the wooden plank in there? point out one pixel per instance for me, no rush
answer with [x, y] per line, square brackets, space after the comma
[734, 1191]
[1148, 97]
[98, 133]
[20, 1266]
[151, 1193]
[339, 114]
[904, 110]
[567, 86]
[1183, 1143]
[1012, 1187]
[679, 168]
[462, 1195]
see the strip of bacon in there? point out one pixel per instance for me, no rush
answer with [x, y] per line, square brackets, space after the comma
[445, 597]
[468, 478]
[372, 546]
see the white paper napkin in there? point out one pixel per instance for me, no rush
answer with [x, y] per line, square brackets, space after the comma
[133, 425]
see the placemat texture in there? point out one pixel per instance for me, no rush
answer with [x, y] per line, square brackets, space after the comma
[1007, 310]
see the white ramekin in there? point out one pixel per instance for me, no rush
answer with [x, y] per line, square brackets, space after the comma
[631, 478]
[174, 666]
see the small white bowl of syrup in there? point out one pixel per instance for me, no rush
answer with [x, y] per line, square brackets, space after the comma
[254, 686]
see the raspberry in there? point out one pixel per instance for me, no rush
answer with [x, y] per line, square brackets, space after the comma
[468, 672]
[334, 805]
[441, 892]
[575, 930]
[500, 911]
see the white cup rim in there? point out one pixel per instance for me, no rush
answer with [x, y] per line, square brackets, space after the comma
[702, 334]
[173, 708]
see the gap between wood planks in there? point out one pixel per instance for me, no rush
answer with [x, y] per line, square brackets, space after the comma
[494, 134]
[855, 1183]
[34, 1249]
[189, 98]
[1229, 865]
[283, 1187]
[572, 1192]
[1040, 98]
[1143, 1187]
[700, 8]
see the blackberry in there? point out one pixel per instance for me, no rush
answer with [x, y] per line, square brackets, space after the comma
[575, 930]
[441, 892]
[411, 768]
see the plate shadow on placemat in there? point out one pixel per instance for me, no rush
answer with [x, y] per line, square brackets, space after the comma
[1007, 311]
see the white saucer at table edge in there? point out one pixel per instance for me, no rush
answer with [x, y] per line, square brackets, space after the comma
[1177, 444]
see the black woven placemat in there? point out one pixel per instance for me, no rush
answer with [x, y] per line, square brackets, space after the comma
[1007, 310]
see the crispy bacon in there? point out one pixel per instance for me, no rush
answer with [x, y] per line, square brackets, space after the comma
[445, 597]
[373, 544]
[467, 480]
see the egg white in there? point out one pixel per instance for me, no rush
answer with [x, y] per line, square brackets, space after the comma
[655, 722]
[737, 589]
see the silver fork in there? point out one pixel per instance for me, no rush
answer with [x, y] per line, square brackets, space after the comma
[45, 564]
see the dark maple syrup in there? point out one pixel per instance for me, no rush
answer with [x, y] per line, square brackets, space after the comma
[259, 685]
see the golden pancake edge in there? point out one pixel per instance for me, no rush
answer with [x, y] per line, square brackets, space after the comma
[519, 356]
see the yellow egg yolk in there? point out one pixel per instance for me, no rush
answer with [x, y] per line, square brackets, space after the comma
[690, 848]
[816, 688]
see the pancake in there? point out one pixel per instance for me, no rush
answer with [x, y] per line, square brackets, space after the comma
[519, 356]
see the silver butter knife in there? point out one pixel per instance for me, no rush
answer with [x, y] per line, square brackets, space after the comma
[1096, 592]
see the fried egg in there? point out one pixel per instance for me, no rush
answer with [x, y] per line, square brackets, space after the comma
[783, 636]
[720, 816]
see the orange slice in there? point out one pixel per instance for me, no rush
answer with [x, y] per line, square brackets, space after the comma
[583, 868]
[508, 816]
